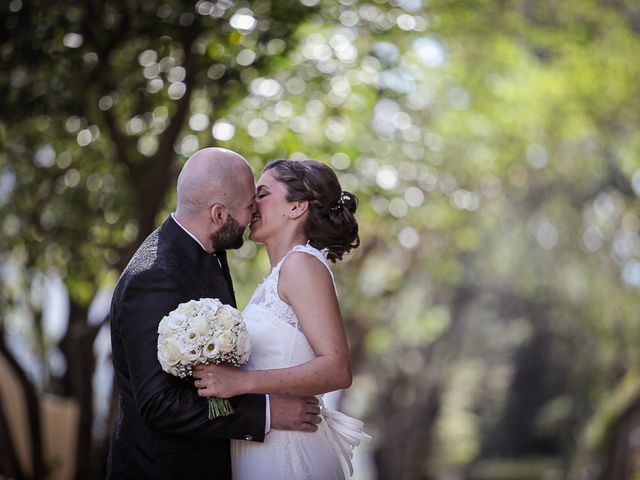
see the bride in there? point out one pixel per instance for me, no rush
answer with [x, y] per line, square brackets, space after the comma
[299, 346]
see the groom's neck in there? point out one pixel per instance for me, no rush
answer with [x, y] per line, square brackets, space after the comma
[191, 225]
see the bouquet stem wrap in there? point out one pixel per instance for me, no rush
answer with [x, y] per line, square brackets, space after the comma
[219, 407]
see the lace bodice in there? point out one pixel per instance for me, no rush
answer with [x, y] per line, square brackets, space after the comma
[266, 295]
[277, 341]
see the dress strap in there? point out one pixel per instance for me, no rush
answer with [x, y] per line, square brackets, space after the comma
[307, 248]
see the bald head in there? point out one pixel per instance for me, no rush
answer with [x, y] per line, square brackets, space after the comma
[212, 175]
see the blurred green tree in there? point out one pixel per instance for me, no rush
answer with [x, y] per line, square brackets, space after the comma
[494, 147]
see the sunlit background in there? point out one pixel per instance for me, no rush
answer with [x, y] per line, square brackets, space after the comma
[492, 308]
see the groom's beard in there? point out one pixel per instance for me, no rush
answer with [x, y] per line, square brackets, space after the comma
[229, 236]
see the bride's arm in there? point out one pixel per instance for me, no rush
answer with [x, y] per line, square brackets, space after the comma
[306, 285]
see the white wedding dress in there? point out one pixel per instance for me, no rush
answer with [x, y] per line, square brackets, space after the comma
[278, 342]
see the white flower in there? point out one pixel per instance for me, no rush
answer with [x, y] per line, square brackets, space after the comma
[192, 355]
[171, 351]
[202, 358]
[243, 345]
[227, 317]
[200, 324]
[210, 306]
[211, 349]
[192, 337]
[226, 341]
[187, 308]
[177, 321]
[163, 326]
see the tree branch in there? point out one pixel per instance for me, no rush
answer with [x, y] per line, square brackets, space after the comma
[165, 151]
[104, 76]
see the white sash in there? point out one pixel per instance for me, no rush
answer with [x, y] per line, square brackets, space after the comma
[345, 433]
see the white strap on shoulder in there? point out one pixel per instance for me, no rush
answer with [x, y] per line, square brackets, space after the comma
[311, 251]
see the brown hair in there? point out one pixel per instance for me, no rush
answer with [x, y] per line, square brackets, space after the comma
[331, 223]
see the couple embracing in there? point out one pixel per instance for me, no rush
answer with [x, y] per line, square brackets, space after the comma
[280, 428]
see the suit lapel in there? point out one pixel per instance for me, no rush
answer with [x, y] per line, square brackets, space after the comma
[222, 256]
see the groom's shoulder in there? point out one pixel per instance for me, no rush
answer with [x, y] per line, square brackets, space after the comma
[146, 256]
[146, 274]
[150, 264]
[153, 255]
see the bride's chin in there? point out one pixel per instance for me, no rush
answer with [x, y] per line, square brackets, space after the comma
[254, 237]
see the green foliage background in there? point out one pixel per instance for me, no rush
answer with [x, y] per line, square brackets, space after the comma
[492, 308]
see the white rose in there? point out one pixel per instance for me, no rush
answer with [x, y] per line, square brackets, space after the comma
[177, 321]
[211, 349]
[187, 308]
[226, 317]
[243, 343]
[200, 324]
[170, 351]
[212, 302]
[163, 326]
[165, 366]
[209, 306]
[226, 341]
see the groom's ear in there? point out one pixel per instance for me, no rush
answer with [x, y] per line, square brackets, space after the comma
[298, 209]
[218, 214]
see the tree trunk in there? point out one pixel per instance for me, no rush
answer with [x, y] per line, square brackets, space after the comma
[9, 463]
[625, 449]
[405, 446]
[77, 346]
[33, 410]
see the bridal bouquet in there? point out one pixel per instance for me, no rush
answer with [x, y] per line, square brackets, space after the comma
[203, 331]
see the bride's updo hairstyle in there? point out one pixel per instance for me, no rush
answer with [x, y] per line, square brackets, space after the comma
[331, 223]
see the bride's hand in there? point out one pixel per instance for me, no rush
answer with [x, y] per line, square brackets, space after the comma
[222, 381]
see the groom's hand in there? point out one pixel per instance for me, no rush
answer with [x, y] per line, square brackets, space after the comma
[294, 413]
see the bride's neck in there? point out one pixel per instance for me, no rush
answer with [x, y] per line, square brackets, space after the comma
[278, 248]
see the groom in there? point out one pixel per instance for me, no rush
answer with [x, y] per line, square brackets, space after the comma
[161, 428]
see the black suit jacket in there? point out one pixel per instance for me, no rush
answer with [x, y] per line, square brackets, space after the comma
[161, 428]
